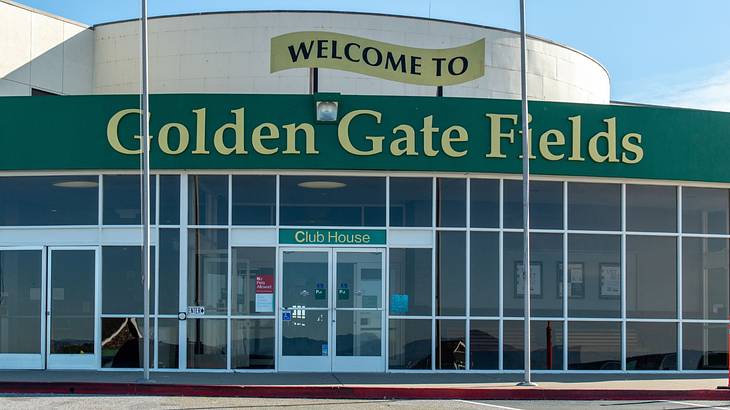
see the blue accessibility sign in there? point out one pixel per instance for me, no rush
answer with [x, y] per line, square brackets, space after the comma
[286, 315]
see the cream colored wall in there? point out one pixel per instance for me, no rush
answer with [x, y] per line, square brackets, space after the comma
[229, 53]
[42, 51]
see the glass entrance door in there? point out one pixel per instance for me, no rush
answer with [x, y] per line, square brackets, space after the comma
[331, 310]
[72, 308]
[21, 307]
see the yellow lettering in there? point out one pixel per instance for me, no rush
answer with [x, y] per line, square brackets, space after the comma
[291, 135]
[427, 131]
[343, 134]
[182, 131]
[610, 137]
[408, 138]
[497, 134]
[257, 137]
[631, 147]
[575, 155]
[200, 132]
[546, 143]
[447, 140]
[112, 132]
[237, 128]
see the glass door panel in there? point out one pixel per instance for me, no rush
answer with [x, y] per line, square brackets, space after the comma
[359, 311]
[72, 308]
[21, 308]
[305, 310]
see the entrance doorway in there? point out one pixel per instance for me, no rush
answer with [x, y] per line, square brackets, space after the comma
[71, 308]
[331, 310]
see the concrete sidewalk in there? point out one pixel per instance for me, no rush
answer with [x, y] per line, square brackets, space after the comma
[360, 385]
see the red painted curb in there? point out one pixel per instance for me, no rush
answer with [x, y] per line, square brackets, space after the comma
[357, 392]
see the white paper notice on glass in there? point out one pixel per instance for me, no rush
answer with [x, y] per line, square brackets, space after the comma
[264, 302]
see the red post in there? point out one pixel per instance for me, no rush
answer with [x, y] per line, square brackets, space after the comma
[728, 354]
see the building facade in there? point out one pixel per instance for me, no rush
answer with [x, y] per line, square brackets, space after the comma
[389, 240]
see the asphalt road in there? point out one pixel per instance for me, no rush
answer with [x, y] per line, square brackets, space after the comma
[205, 403]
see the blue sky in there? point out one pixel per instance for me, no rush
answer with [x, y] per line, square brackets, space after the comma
[672, 52]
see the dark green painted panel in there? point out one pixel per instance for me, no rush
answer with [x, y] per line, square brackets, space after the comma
[59, 133]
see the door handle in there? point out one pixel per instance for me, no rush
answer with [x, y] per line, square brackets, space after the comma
[182, 316]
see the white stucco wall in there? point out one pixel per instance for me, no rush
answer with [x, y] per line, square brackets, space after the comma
[229, 53]
[38, 50]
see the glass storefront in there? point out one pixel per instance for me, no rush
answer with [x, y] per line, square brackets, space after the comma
[624, 276]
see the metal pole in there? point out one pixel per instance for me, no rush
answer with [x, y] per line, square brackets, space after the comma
[525, 194]
[145, 141]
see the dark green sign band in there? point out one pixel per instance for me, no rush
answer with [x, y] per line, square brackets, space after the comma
[378, 133]
[332, 236]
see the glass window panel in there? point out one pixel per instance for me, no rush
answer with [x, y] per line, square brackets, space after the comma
[594, 346]
[168, 349]
[484, 344]
[208, 199]
[20, 301]
[122, 200]
[72, 301]
[705, 210]
[208, 269]
[450, 202]
[207, 343]
[594, 207]
[169, 271]
[121, 280]
[546, 344]
[546, 256]
[651, 346]
[359, 280]
[57, 200]
[305, 280]
[411, 201]
[594, 273]
[451, 274]
[254, 199]
[306, 333]
[121, 342]
[484, 198]
[409, 343]
[169, 200]
[252, 342]
[484, 274]
[451, 346]
[651, 208]
[651, 277]
[546, 204]
[332, 201]
[705, 278]
[410, 282]
[358, 332]
[253, 281]
[704, 346]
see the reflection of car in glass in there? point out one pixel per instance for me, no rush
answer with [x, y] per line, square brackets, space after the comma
[658, 361]
[696, 360]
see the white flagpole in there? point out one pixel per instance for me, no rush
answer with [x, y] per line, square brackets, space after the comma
[525, 195]
[145, 141]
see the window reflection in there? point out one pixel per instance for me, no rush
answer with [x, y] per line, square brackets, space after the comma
[208, 269]
[704, 346]
[332, 201]
[450, 202]
[410, 344]
[208, 199]
[546, 204]
[20, 301]
[410, 281]
[594, 275]
[705, 278]
[484, 344]
[594, 206]
[546, 344]
[411, 201]
[705, 210]
[594, 346]
[122, 342]
[651, 346]
[651, 277]
[254, 199]
[451, 274]
[56, 200]
[451, 346]
[651, 208]
[207, 343]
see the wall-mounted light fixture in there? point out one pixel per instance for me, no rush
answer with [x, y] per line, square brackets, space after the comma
[326, 107]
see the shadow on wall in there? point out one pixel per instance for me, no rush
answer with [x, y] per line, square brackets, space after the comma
[43, 53]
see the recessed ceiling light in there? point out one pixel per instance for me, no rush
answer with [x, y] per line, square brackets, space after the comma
[77, 184]
[322, 184]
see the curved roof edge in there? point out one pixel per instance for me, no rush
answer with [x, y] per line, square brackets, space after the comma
[370, 14]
